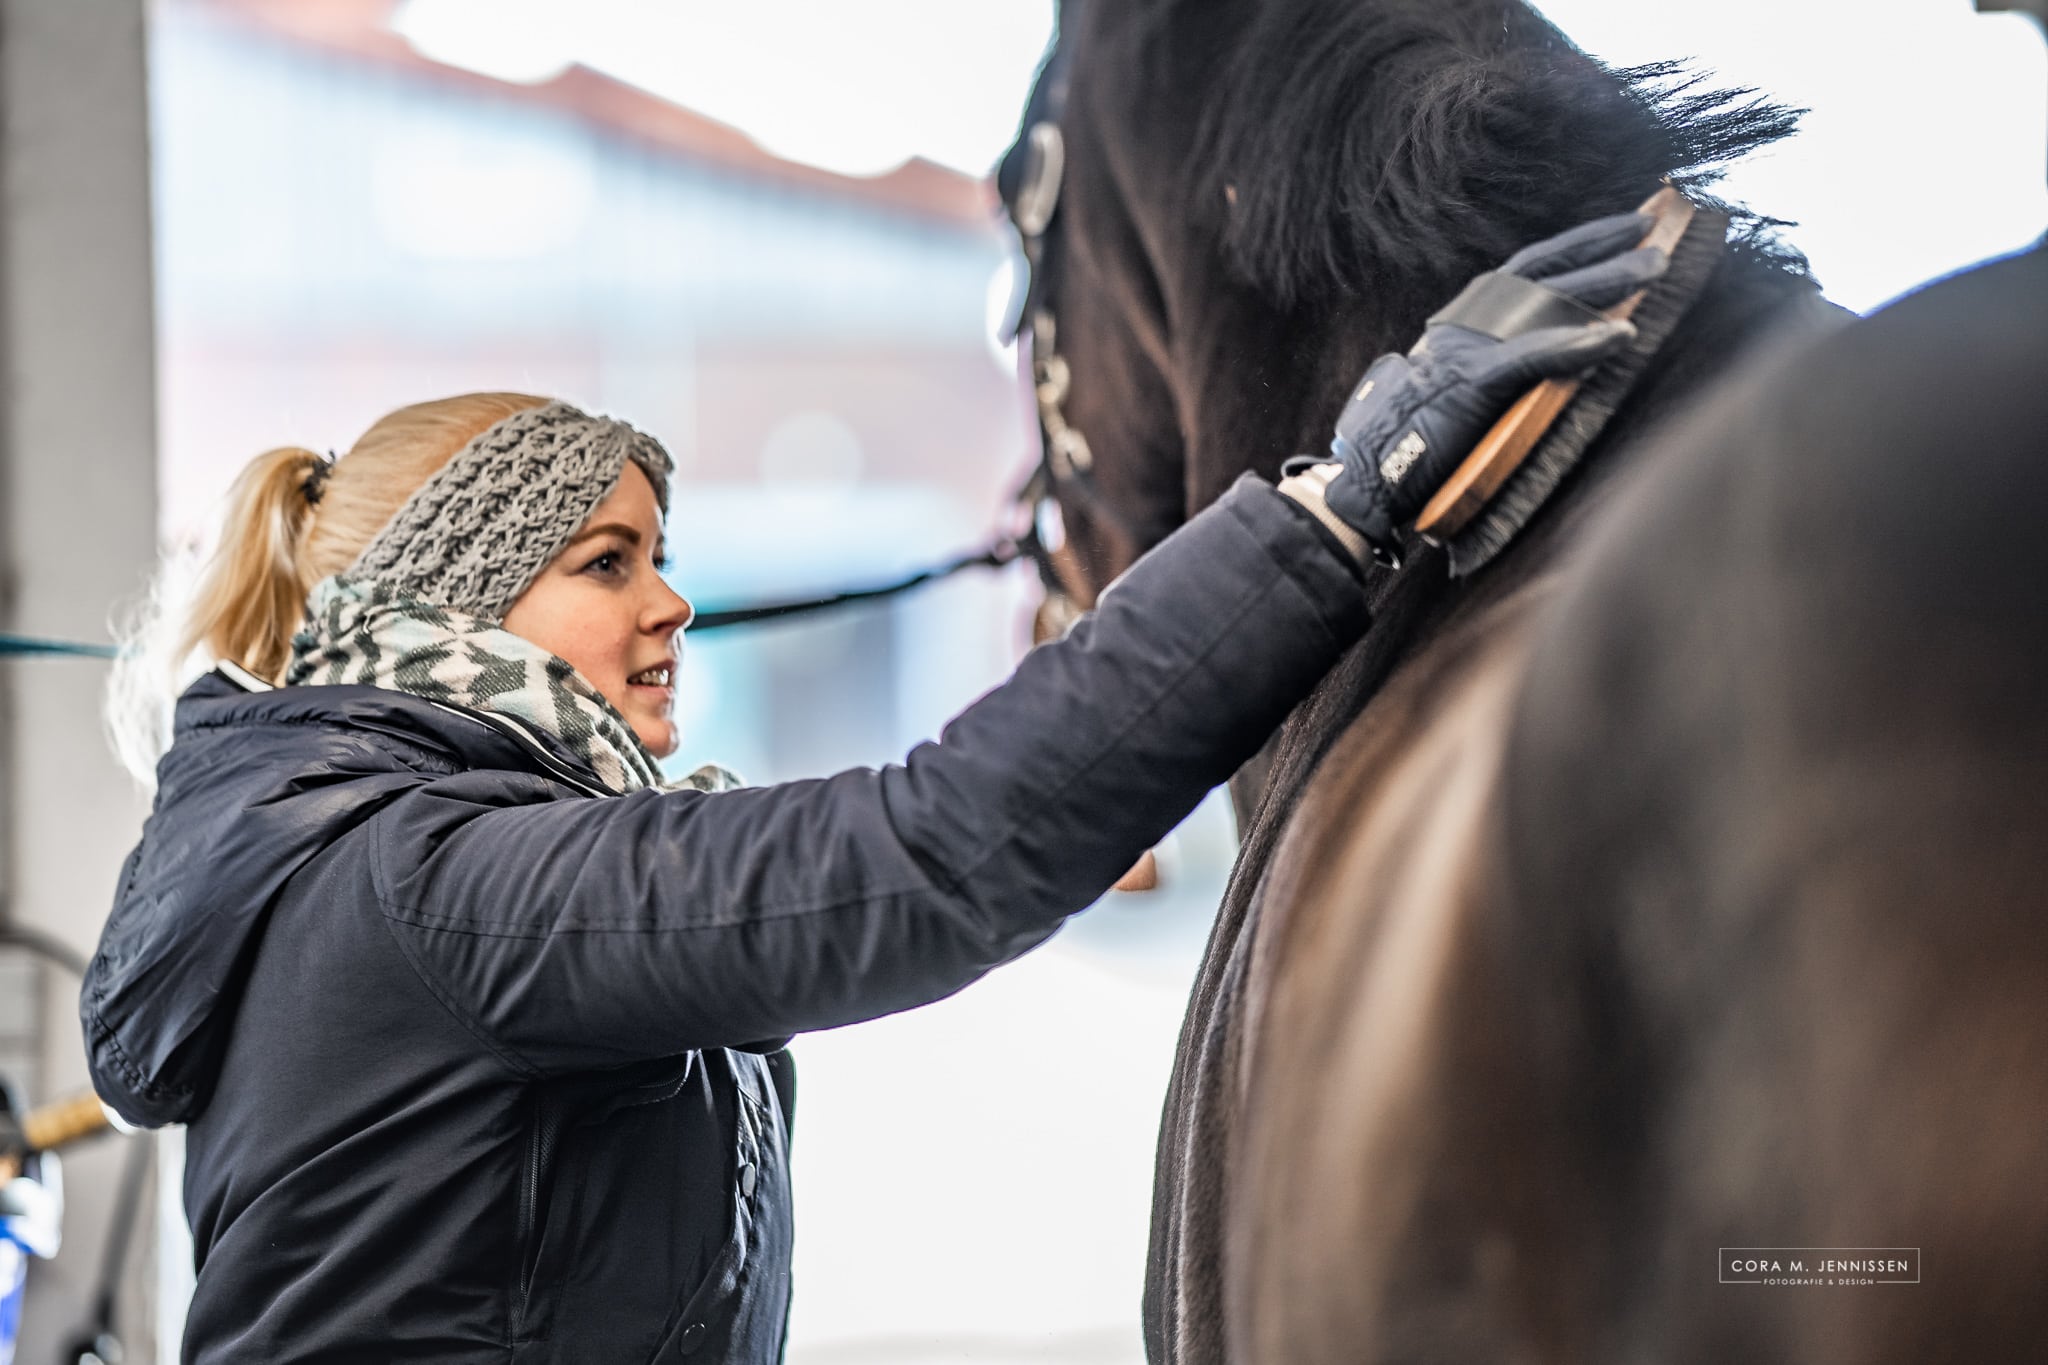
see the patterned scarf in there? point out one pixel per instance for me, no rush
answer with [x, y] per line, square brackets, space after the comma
[363, 631]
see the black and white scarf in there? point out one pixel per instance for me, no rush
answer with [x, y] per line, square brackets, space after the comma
[363, 631]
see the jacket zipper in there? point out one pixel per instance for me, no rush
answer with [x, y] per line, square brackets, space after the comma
[522, 1245]
[526, 1263]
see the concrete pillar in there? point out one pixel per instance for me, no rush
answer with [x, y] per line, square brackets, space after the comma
[77, 536]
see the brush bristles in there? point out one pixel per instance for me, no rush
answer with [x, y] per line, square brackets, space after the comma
[1693, 262]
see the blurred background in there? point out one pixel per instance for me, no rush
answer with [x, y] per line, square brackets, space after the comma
[763, 233]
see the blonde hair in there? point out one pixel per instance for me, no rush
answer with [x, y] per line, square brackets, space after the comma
[249, 598]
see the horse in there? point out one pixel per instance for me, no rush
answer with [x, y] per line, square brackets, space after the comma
[1548, 969]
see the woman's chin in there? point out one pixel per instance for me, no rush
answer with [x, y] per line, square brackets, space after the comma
[659, 736]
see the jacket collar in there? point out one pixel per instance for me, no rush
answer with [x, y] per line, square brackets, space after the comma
[465, 737]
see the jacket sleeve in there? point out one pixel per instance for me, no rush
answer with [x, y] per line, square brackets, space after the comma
[585, 932]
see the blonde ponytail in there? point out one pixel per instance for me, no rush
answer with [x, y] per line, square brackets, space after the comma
[249, 599]
[252, 595]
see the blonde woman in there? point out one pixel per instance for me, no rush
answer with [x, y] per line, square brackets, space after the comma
[476, 1021]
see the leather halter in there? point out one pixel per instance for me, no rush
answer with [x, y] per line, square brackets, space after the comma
[1066, 450]
[1066, 464]
[1065, 458]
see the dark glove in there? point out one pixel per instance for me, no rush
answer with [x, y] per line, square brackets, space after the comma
[1413, 419]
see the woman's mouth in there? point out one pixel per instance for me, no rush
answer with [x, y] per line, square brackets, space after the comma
[660, 676]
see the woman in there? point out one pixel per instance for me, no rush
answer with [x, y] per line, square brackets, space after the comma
[477, 1025]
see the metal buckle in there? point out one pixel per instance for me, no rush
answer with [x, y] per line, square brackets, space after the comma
[1045, 170]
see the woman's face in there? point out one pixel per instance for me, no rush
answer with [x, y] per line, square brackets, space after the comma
[602, 606]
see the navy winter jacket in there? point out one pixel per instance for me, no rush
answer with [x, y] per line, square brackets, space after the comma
[481, 1064]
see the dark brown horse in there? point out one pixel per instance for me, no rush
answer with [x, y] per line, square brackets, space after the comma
[1659, 889]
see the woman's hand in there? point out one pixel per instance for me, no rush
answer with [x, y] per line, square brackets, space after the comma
[1414, 418]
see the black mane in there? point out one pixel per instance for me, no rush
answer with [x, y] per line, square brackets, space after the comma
[1401, 147]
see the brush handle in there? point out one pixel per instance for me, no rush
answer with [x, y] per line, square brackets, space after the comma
[1499, 453]
[1503, 449]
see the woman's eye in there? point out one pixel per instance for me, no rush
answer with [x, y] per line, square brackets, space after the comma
[608, 563]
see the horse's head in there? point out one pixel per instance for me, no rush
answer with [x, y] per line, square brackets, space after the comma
[1255, 200]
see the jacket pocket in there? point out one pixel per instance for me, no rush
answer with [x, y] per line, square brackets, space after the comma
[704, 1314]
[551, 1224]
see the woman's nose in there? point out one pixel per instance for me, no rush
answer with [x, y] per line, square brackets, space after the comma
[672, 611]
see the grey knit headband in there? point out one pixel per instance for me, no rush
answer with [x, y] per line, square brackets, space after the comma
[484, 526]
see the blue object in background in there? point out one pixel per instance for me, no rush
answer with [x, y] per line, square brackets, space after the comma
[13, 1272]
[31, 1220]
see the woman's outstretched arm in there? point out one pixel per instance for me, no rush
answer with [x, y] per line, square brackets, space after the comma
[583, 932]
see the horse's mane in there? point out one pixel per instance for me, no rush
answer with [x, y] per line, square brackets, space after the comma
[1400, 147]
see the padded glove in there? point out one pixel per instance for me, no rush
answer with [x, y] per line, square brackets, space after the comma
[1414, 418]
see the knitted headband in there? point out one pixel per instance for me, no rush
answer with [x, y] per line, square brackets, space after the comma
[484, 526]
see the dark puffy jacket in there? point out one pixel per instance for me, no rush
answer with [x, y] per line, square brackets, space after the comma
[471, 1053]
